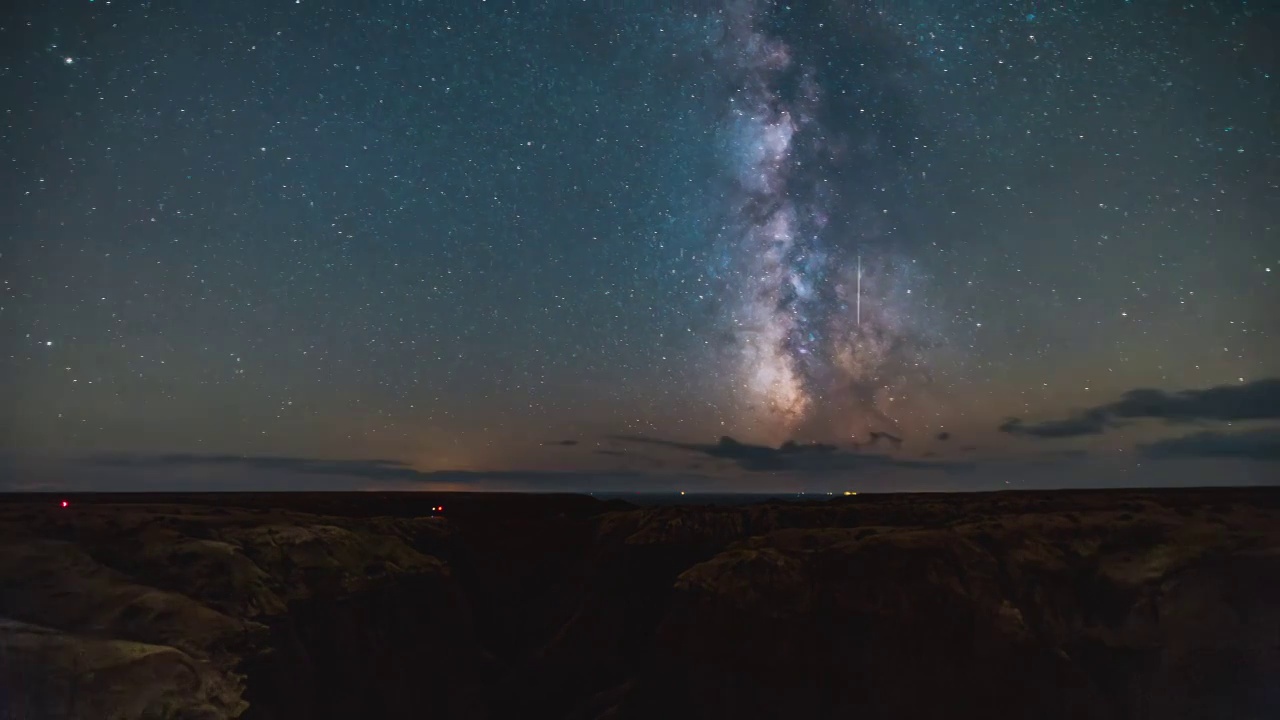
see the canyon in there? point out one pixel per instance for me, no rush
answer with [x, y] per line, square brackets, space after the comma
[1064, 604]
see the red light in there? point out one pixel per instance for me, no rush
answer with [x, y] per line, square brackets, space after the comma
[64, 503]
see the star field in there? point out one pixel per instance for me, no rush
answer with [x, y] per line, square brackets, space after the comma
[452, 235]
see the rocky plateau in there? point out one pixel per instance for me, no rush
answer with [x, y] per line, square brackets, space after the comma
[1069, 604]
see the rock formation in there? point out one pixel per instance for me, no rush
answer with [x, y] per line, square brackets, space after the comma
[1053, 605]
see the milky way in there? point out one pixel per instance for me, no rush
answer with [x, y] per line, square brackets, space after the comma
[802, 251]
[457, 235]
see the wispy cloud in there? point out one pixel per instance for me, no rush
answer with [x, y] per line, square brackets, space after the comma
[1092, 422]
[366, 469]
[373, 469]
[815, 458]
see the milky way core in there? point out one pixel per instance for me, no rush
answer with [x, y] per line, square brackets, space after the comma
[809, 362]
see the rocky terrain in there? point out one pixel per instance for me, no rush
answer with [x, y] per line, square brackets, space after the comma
[1098, 604]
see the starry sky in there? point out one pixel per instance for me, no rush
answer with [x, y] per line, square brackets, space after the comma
[882, 244]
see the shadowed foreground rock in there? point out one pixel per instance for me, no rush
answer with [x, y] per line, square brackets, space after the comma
[119, 611]
[1052, 605]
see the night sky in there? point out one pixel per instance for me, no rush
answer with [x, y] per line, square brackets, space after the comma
[928, 244]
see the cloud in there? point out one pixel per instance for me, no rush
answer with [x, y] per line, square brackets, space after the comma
[1092, 422]
[370, 469]
[791, 456]
[890, 438]
[1257, 400]
[1263, 444]
[153, 472]
[564, 443]
[944, 436]
[747, 456]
